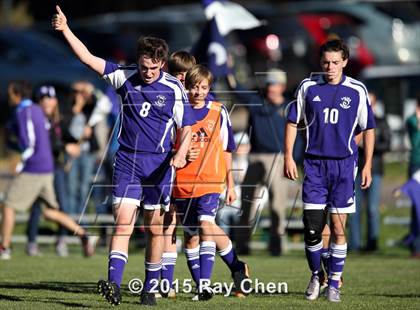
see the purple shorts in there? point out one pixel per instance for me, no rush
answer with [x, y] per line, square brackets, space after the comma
[329, 182]
[143, 177]
[193, 210]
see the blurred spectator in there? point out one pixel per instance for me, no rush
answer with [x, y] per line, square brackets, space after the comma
[266, 127]
[47, 100]
[34, 179]
[413, 128]
[371, 196]
[228, 216]
[88, 110]
[412, 189]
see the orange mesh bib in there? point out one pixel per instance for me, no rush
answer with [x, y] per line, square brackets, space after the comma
[207, 173]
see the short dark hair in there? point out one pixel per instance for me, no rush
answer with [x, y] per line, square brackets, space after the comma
[196, 74]
[180, 61]
[335, 45]
[21, 88]
[151, 47]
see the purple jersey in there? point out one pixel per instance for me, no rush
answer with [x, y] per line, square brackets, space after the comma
[31, 128]
[226, 131]
[331, 114]
[151, 112]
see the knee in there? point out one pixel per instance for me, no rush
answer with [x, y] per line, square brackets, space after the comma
[313, 226]
[155, 230]
[123, 230]
[206, 227]
[191, 242]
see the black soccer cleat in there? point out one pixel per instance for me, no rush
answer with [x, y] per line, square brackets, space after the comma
[110, 291]
[206, 294]
[147, 299]
[242, 289]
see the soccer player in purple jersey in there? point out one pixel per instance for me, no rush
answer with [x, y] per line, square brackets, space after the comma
[154, 106]
[331, 106]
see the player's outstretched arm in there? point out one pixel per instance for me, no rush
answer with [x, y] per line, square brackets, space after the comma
[290, 168]
[368, 146]
[59, 23]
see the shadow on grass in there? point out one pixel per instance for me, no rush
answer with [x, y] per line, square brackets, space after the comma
[65, 287]
[409, 295]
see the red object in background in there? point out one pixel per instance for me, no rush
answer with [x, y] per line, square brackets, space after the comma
[322, 26]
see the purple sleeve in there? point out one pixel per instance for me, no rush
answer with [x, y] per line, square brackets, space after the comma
[188, 118]
[370, 118]
[292, 113]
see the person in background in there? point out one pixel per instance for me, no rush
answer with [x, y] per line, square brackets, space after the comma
[228, 216]
[266, 125]
[87, 111]
[413, 129]
[46, 97]
[372, 195]
[34, 173]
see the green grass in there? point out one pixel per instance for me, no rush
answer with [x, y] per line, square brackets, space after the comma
[388, 280]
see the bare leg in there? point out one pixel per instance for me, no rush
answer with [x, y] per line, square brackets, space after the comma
[64, 220]
[8, 223]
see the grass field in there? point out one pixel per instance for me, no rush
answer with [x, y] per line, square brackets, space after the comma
[388, 280]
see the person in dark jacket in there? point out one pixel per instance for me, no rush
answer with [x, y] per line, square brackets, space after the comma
[371, 196]
[267, 120]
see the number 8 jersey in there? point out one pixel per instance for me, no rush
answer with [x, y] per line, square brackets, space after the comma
[151, 113]
[331, 114]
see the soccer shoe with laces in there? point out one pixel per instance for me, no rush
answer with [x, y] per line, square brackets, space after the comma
[241, 289]
[89, 245]
[110, 291]
[312, 291]
[147, 299]
[332, 294]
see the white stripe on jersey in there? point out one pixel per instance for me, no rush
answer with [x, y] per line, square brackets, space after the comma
[301, 96]
[178, 109]
[301, 102]
[362, 109]
[29, 151]
[168, 126]
[178, 82]
[224, 130]
[118, 77]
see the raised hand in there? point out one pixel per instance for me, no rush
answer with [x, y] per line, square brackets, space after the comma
[59, 20]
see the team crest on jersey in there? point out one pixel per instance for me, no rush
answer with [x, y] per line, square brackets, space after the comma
[160, 100]
[345, 103]
[210, 124]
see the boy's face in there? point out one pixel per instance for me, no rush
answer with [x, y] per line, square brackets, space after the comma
[332, 63]
[199, 91]
[149, 69]
[181, 76]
